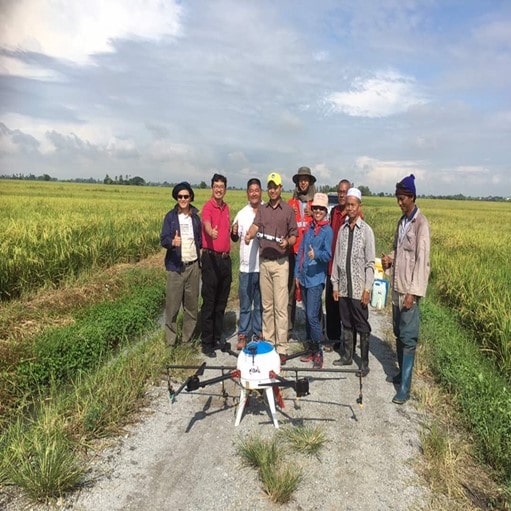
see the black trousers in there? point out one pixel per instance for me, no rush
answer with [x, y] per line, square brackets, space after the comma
[333, 316]
[354, 315]
[216, 285]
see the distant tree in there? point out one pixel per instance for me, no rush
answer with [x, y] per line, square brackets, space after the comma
[137, 181]
[203, 185]
[365, 191]
[107, 180]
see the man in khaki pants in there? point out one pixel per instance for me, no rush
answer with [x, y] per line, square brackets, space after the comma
[275, 226]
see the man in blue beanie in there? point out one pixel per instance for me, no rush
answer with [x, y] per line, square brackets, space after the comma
[410, 273]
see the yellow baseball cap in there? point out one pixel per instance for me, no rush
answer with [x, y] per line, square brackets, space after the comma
[273, 176]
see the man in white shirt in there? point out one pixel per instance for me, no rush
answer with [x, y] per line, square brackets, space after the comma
[250, 320]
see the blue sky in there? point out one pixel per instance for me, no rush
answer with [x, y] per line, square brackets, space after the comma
[173, 90]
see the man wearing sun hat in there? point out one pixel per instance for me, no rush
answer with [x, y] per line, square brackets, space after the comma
[352, 279]
[181, 236]
[275, 226]
[301, 204]
[410, 273]
[310, 271]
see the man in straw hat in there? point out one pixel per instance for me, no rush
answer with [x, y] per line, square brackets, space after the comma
[310, 271]
[409, 262]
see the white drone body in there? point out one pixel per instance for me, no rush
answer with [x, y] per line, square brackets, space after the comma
[256, 362]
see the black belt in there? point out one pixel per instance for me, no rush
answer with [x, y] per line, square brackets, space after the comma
[188, 263]
[223, 255]
[273, 258]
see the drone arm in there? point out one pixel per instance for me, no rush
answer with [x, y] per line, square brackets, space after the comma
[198, 372]
[193, 383]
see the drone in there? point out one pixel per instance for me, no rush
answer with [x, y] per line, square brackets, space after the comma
[258, 369]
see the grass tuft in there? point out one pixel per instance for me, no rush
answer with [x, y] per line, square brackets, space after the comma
[305, 439]
[259, 452]
[40, 458]
[280, 481]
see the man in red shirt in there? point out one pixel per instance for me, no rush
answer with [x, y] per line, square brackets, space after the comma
[337, 219]
[301, 204]
[216, 265]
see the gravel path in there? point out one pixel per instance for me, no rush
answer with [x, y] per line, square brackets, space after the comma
[182, 456]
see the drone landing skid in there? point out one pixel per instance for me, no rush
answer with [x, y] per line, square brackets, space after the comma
[270, 398]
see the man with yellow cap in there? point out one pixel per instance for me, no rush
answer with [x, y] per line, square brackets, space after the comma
[275, 226]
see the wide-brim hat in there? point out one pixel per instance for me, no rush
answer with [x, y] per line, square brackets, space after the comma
[321, 200]
[304, 171]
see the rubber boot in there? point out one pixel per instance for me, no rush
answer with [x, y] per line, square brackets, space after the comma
[403, 394]
[396, 380]
[364, 353]
[347, 357]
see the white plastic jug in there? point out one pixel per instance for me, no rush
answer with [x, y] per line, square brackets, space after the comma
[379, 294]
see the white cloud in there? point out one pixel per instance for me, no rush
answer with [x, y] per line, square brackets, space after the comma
[387, 93]
[164, 150]
[322, 173]
[75, 30]
[382, 175]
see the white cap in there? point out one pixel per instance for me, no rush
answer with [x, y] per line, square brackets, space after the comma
[355, 192]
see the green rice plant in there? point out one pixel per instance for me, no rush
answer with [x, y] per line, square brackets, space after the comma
[40, 459]
[305, 439]
[280, 481]
[484, 396]
[100, 401]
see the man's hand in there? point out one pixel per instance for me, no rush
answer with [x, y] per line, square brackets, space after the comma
[409, 301]
[386, 261]
[335, 295]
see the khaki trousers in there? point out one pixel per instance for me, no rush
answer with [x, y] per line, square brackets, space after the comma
[182, 289]
[273, 280]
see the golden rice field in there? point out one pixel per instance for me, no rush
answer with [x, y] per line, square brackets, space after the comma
[53, 232]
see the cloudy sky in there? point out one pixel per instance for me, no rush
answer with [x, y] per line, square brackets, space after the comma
[173, 90]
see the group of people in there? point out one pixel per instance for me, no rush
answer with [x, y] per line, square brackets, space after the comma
[292, 251]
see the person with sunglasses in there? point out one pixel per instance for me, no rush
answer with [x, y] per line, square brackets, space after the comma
[181, 235]
[310, 271]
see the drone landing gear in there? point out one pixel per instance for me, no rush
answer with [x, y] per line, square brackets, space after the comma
[270, 398]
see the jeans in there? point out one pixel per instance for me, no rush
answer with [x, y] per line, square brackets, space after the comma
[406, 327]
[311, 297]
[250, 322]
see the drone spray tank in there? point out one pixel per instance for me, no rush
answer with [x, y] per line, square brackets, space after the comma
[257, 362]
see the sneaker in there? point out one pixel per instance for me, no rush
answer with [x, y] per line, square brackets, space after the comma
[328, 348]
[317, 362]
[307, 358]
[242, 342]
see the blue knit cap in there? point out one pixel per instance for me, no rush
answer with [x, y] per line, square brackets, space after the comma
[406, 186]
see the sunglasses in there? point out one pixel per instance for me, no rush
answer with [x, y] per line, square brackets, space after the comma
[183, 196]
[318, 208]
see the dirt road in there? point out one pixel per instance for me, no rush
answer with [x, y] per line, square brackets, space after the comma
[182, 456]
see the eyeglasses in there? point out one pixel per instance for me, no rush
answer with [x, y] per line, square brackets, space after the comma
[183, 196]
[318, 208]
